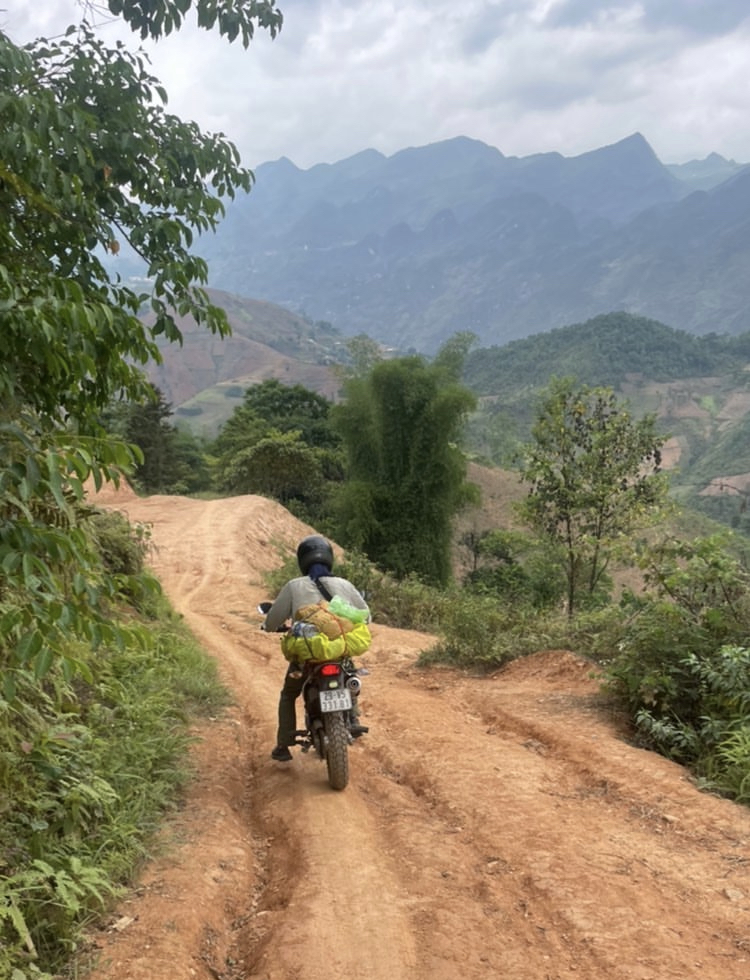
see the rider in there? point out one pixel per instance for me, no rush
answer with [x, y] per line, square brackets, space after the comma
[315, 560]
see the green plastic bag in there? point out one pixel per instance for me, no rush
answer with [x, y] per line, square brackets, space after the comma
[340, 607]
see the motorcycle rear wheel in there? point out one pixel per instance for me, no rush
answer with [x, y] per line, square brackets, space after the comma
[337, 746]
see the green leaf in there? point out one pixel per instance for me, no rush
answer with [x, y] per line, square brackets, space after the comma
[43, 662]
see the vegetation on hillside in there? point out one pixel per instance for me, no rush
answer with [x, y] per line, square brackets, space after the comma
[603, 351]
[694, 386]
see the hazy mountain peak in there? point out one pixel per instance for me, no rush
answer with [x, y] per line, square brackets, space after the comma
[412, 247]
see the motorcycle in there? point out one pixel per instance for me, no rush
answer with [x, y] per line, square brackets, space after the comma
[329, 691]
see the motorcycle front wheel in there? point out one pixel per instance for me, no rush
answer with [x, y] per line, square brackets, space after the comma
[337, 749]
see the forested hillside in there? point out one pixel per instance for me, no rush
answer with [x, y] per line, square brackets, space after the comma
[698, 388]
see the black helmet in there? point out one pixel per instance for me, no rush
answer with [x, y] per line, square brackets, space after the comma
[314, 550]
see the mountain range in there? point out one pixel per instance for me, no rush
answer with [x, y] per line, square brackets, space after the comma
[454, 236]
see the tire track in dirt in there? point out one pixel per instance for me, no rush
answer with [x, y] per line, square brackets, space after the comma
[337, 915]
[492, 827]
[537, 783]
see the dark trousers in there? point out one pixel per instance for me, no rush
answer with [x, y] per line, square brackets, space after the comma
[287, 711]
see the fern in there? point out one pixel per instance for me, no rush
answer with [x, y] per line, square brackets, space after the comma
[734, 760]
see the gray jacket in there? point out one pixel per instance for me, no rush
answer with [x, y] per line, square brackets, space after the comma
[302, 591]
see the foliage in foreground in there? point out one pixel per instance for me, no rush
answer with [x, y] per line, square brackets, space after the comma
[682, 663]
[90, 159]
[93, 702]
[88, 763]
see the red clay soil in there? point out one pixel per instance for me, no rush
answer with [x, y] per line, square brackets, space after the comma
[493, 827]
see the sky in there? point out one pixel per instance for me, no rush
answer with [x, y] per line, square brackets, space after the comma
[525, 76]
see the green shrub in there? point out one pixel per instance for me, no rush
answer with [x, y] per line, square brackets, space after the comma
[682, 668]
[478, 633]
[88, 764]
[733, 764]
[712, 735]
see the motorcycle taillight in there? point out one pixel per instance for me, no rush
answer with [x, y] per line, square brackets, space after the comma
[330, 670]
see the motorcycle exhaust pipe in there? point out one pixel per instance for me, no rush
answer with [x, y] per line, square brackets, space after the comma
[354, 684]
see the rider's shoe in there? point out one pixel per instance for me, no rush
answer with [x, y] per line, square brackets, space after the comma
[281, 754]
[356, 729]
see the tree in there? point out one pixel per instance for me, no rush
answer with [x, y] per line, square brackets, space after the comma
[234, 18]
[90, 157]
[281, 465]
[292, 408]
[406, 476]
[595, 476]
[172, 461]
[308, 454]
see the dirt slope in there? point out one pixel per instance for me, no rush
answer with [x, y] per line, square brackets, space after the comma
[492, 828]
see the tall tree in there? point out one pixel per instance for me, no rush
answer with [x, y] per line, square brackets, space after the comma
[172, 459]
[406, 476]
[89, 158]
[282, 466]
[307, 456]
[594, 472]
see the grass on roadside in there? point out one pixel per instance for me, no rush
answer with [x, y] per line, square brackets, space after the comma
[88, 769]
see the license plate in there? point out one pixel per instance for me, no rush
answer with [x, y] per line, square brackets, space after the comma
[335, 700]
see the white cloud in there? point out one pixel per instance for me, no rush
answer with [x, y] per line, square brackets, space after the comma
[526, 76]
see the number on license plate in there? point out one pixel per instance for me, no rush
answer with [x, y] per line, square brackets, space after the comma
[335, 700]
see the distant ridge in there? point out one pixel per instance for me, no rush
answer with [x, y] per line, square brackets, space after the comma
[204, 376]
[454, 236]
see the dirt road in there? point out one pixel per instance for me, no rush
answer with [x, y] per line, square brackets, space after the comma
[495, 827]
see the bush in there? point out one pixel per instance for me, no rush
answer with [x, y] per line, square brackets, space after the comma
[517, 568]
[122, 548]
[87, 766]
[714, 737]
[682, 668]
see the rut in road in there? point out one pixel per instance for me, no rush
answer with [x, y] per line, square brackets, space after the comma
[494, 826]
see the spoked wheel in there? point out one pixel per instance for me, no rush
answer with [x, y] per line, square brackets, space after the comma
[337, 749]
